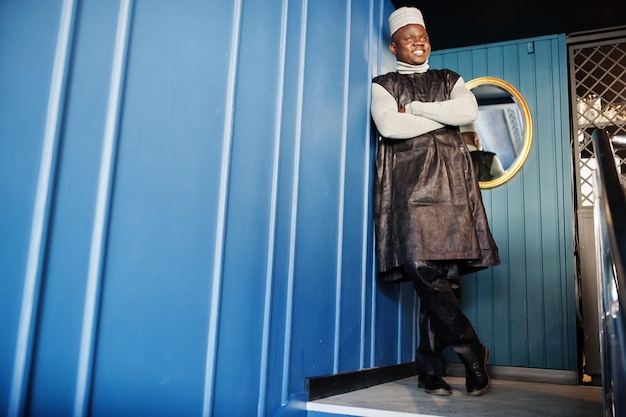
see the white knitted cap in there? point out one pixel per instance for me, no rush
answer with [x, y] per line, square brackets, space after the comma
[405, 16]
[468, 128]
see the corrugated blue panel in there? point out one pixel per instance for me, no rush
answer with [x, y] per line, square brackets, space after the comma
[281, 302]
[388, 323]
[32, 81]
[55, 379]
[319, 185]
[356, 195]
[251, 216]
[282, 311]
[153, 329]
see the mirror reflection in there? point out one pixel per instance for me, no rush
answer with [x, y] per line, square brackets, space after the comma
[487, 164]
[503, 130]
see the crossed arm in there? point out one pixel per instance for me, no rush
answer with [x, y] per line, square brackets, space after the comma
[408, 120]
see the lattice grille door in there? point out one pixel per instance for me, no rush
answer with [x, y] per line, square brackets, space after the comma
[600, 88]
[598, 94]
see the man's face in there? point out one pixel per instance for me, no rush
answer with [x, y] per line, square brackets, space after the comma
[410, 44]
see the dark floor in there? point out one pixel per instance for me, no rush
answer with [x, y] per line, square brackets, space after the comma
[402, 398]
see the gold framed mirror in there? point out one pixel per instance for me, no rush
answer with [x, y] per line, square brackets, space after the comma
[504, 125]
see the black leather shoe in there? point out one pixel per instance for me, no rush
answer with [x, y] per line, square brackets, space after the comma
[477, 380]
[433, 384]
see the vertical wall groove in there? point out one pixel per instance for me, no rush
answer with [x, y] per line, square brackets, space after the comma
[342, 189]
[374, 68]
[269, 276]
[294, 208]
[41, 212]
[212, 335]
[101, 217]
[366, 225]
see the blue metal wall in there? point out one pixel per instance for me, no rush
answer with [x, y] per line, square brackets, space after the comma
[185, 207]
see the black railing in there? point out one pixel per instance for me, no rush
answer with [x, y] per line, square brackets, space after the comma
[610, 226]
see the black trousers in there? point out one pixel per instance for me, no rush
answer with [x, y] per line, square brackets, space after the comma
[441, 321]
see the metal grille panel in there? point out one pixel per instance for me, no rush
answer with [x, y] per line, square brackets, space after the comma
[600, 88]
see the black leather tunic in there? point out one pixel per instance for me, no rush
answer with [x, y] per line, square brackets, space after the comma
[427, 202]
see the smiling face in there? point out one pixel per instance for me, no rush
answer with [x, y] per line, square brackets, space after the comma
[410, 44]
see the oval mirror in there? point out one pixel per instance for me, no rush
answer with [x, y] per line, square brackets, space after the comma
[504, 125]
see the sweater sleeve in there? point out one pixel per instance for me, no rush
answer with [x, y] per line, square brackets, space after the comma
[460, 109]
[395, 125]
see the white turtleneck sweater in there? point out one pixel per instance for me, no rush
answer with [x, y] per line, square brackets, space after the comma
[421, 117]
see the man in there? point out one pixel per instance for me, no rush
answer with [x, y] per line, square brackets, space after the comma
[431, 225]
